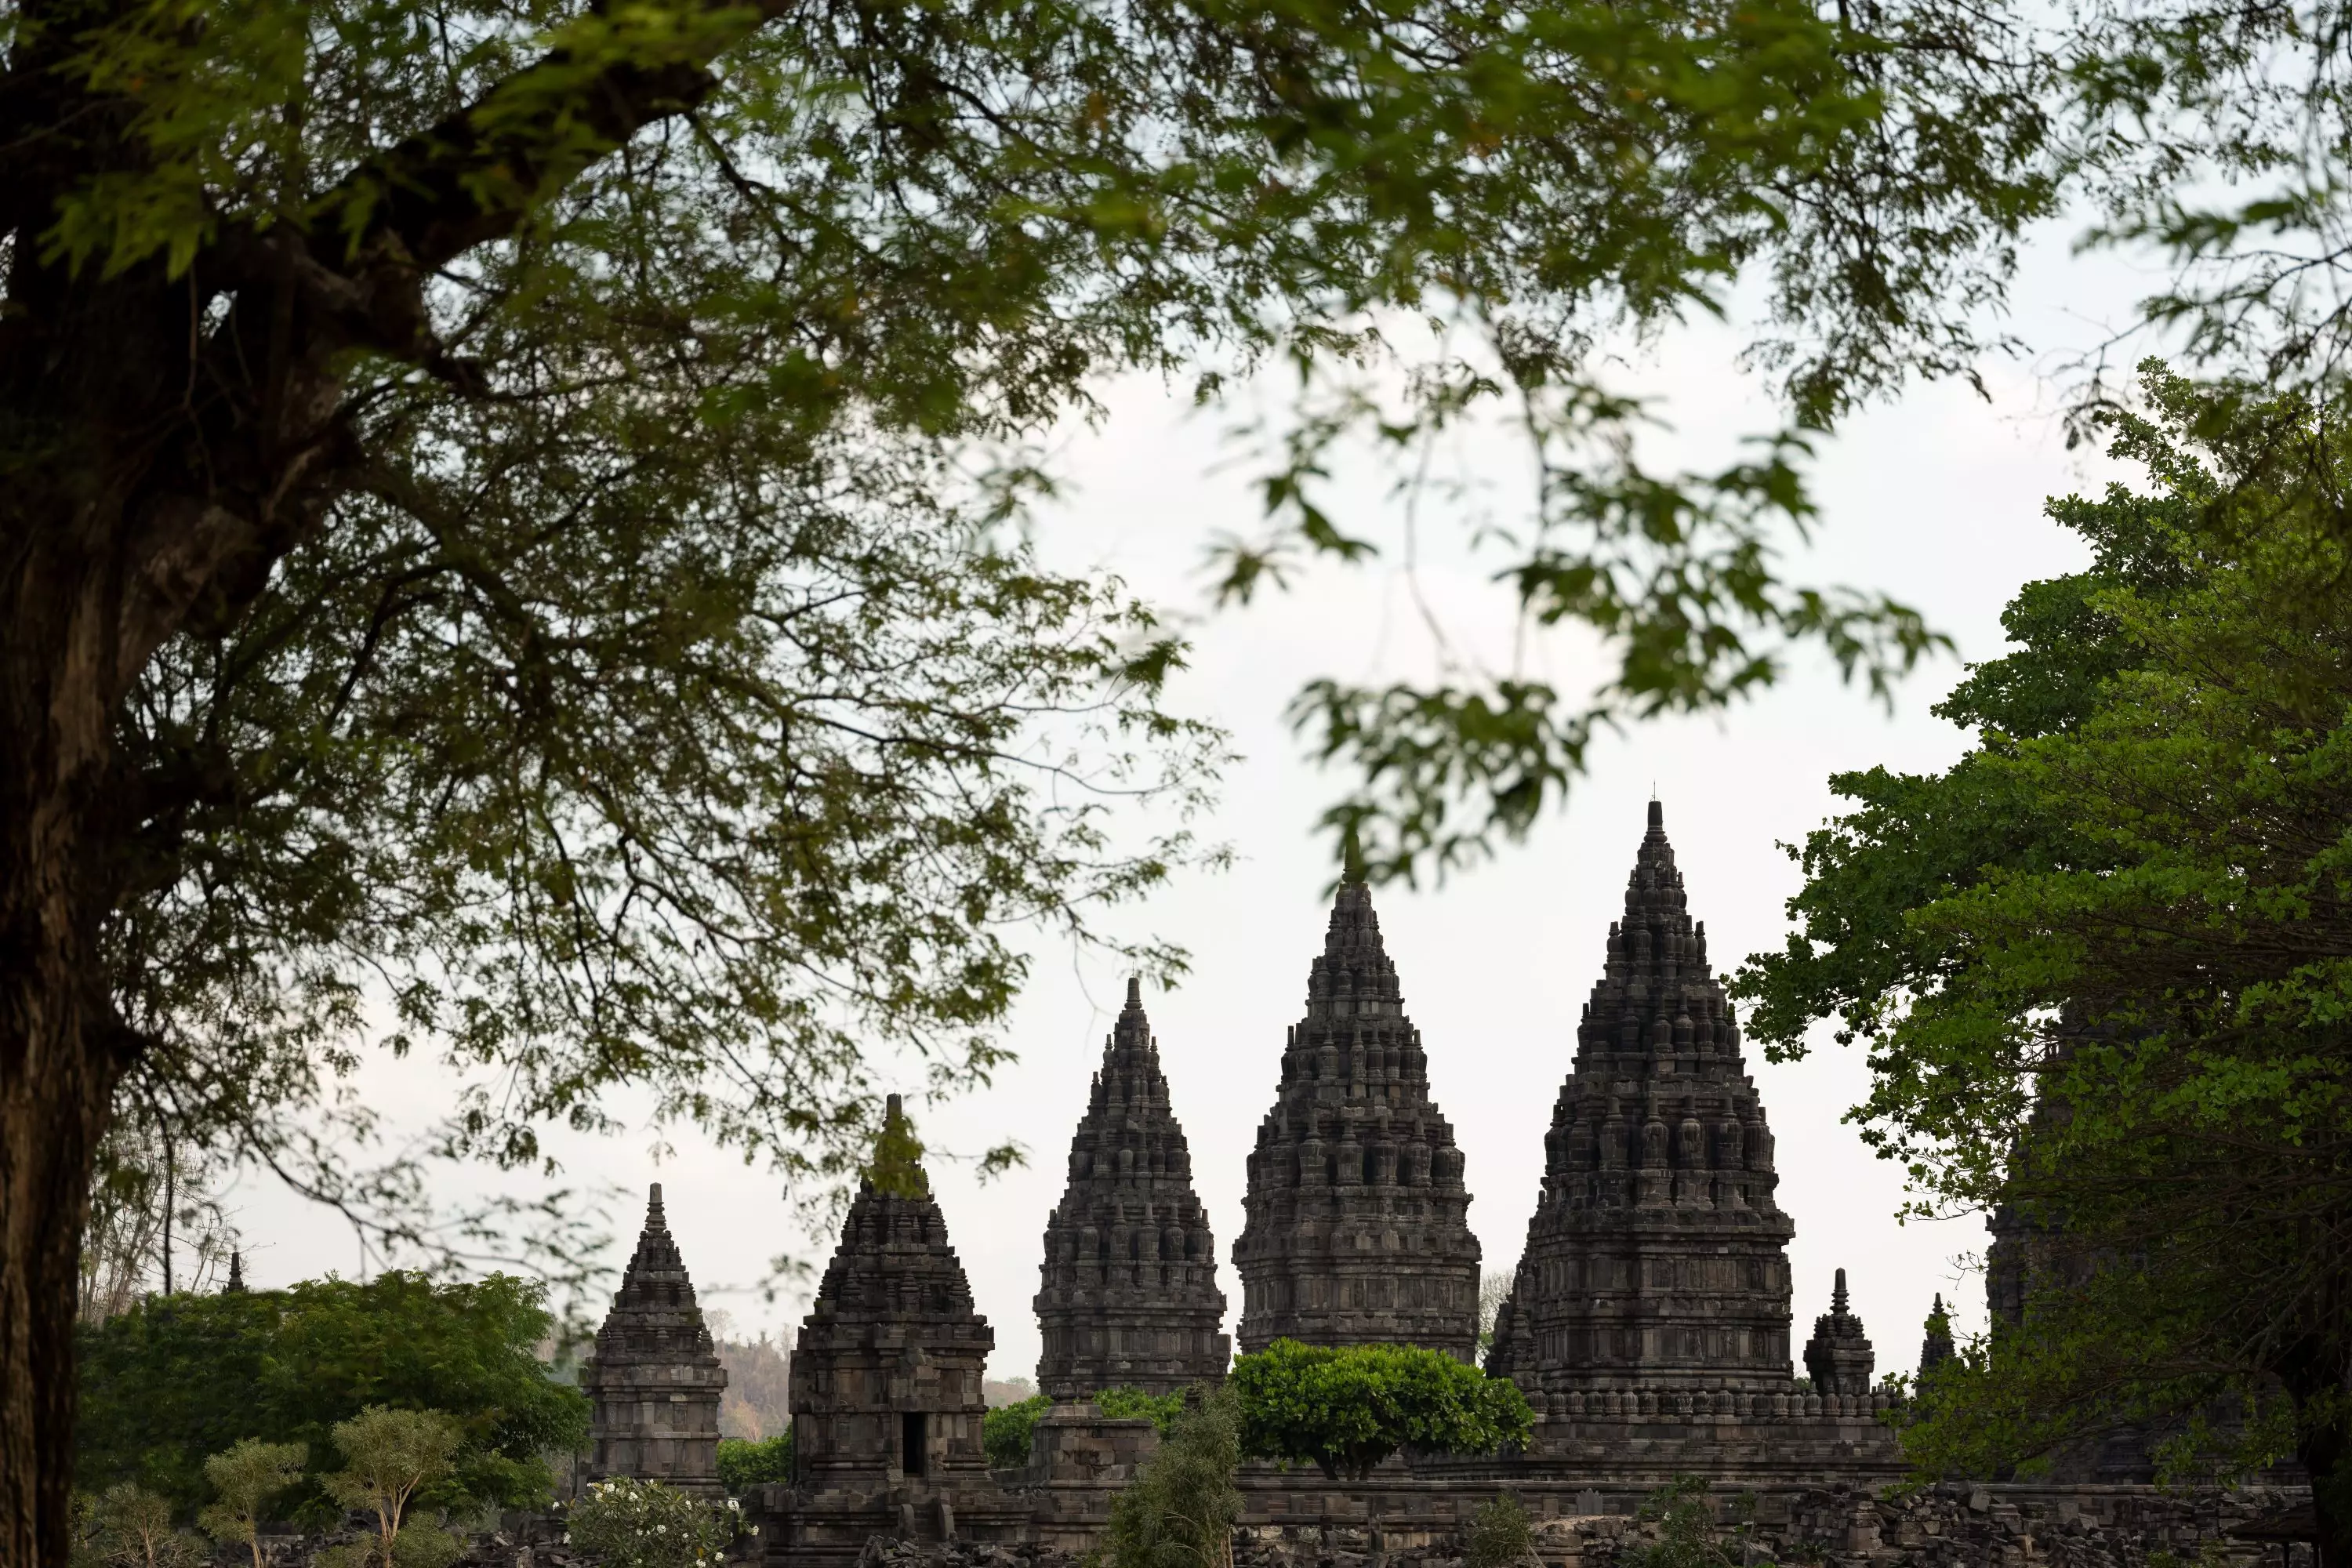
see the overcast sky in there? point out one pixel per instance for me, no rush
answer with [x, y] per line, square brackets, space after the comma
[1936, 500]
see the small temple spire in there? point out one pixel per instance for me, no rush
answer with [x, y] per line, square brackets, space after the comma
[1838, 1357]
[654, 1379]
[235, 1285]
[1936, 1347]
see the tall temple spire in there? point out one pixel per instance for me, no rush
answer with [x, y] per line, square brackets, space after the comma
[1129, 1292]
[1357, 1216]
[1658, 1175]
[654, 1377]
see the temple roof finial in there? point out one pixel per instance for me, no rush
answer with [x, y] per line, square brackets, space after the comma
[898, 1164]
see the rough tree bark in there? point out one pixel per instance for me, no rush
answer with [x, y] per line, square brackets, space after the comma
[152, 474]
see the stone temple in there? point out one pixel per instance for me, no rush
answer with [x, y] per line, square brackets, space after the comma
[1129, 1297]
[653, 1380]
[1648, 1322]
[1357, 1228]
[1656, 1259]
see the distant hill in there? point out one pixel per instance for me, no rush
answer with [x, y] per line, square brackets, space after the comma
[757, 1402]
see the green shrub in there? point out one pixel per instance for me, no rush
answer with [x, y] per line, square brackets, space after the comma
[646, 1524]
[1005, 1432]
[1126, 1403]
[183, 1376]
[1347, 1409]
[1180, 1508]
[1686, 1528]
[1501, 1532]
[744, 1463]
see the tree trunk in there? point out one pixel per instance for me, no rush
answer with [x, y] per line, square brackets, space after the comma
[59, 1059]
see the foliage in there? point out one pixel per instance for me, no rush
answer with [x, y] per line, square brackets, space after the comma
[1348, 1408]
[391, 1455]
[1004, 1431]
[132, 1528]
[1180, 1508]
[747, 1463]
[1502, 1533]
[757, 1405]
[1130, 1403]
[183, 1376]
[627, 1523]
[246, 1478]
[2099, 967]
[1685, 1524]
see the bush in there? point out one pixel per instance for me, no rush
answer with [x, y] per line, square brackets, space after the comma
[1180, 1510]
[1005, 1432]
[180, 1377]
[1348, 1409]
[744, 1463]
[1686, 1528]
[646, 1524]
[1126, 1403]
[1501, 1532]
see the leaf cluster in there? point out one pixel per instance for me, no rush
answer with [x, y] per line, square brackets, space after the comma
[650, 1524]
[2098, 964]
[745, 1463]
[1181, 1509]
[180, 1377]
[1347, 1408]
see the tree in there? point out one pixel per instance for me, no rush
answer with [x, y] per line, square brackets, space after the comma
[2098, 966]
[391, 1456]
[1180, 1508]
[179, 1377]
[248, 1477]
[1348, 1408]
[135, 1531]
[503, 513]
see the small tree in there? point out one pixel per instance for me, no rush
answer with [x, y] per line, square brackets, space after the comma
[392, 1454]
[1348, 1409]
[1686, 1528]
[1004, 1431]
[1180, 1510]
[135, 1531]
[248, 1477]
[1501, 1532]
[627, 1523]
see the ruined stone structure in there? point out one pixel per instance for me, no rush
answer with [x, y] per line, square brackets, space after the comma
[654, 1379]
[1128, 1296]
[1936, 1345]
[886, 1376]
[1357, 1229]
[1838, 1357]
[1655, 1261]
[1648, 1322]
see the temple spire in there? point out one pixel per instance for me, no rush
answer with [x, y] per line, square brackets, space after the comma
[1128, 1293]
[1357, 1229]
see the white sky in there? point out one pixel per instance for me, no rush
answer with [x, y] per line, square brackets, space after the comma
[1936, 500]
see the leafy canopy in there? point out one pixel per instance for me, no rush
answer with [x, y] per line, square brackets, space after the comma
[1347, 1409]
[180, 1377]
[2098, 966]
[655, 688]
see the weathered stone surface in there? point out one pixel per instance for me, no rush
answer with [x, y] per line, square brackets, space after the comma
[1838, 1357]
[1655, 1261]
[886, 1382]
[654, 1379]
[886, 1372]
[1356, 1226]
[1129, 1292]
